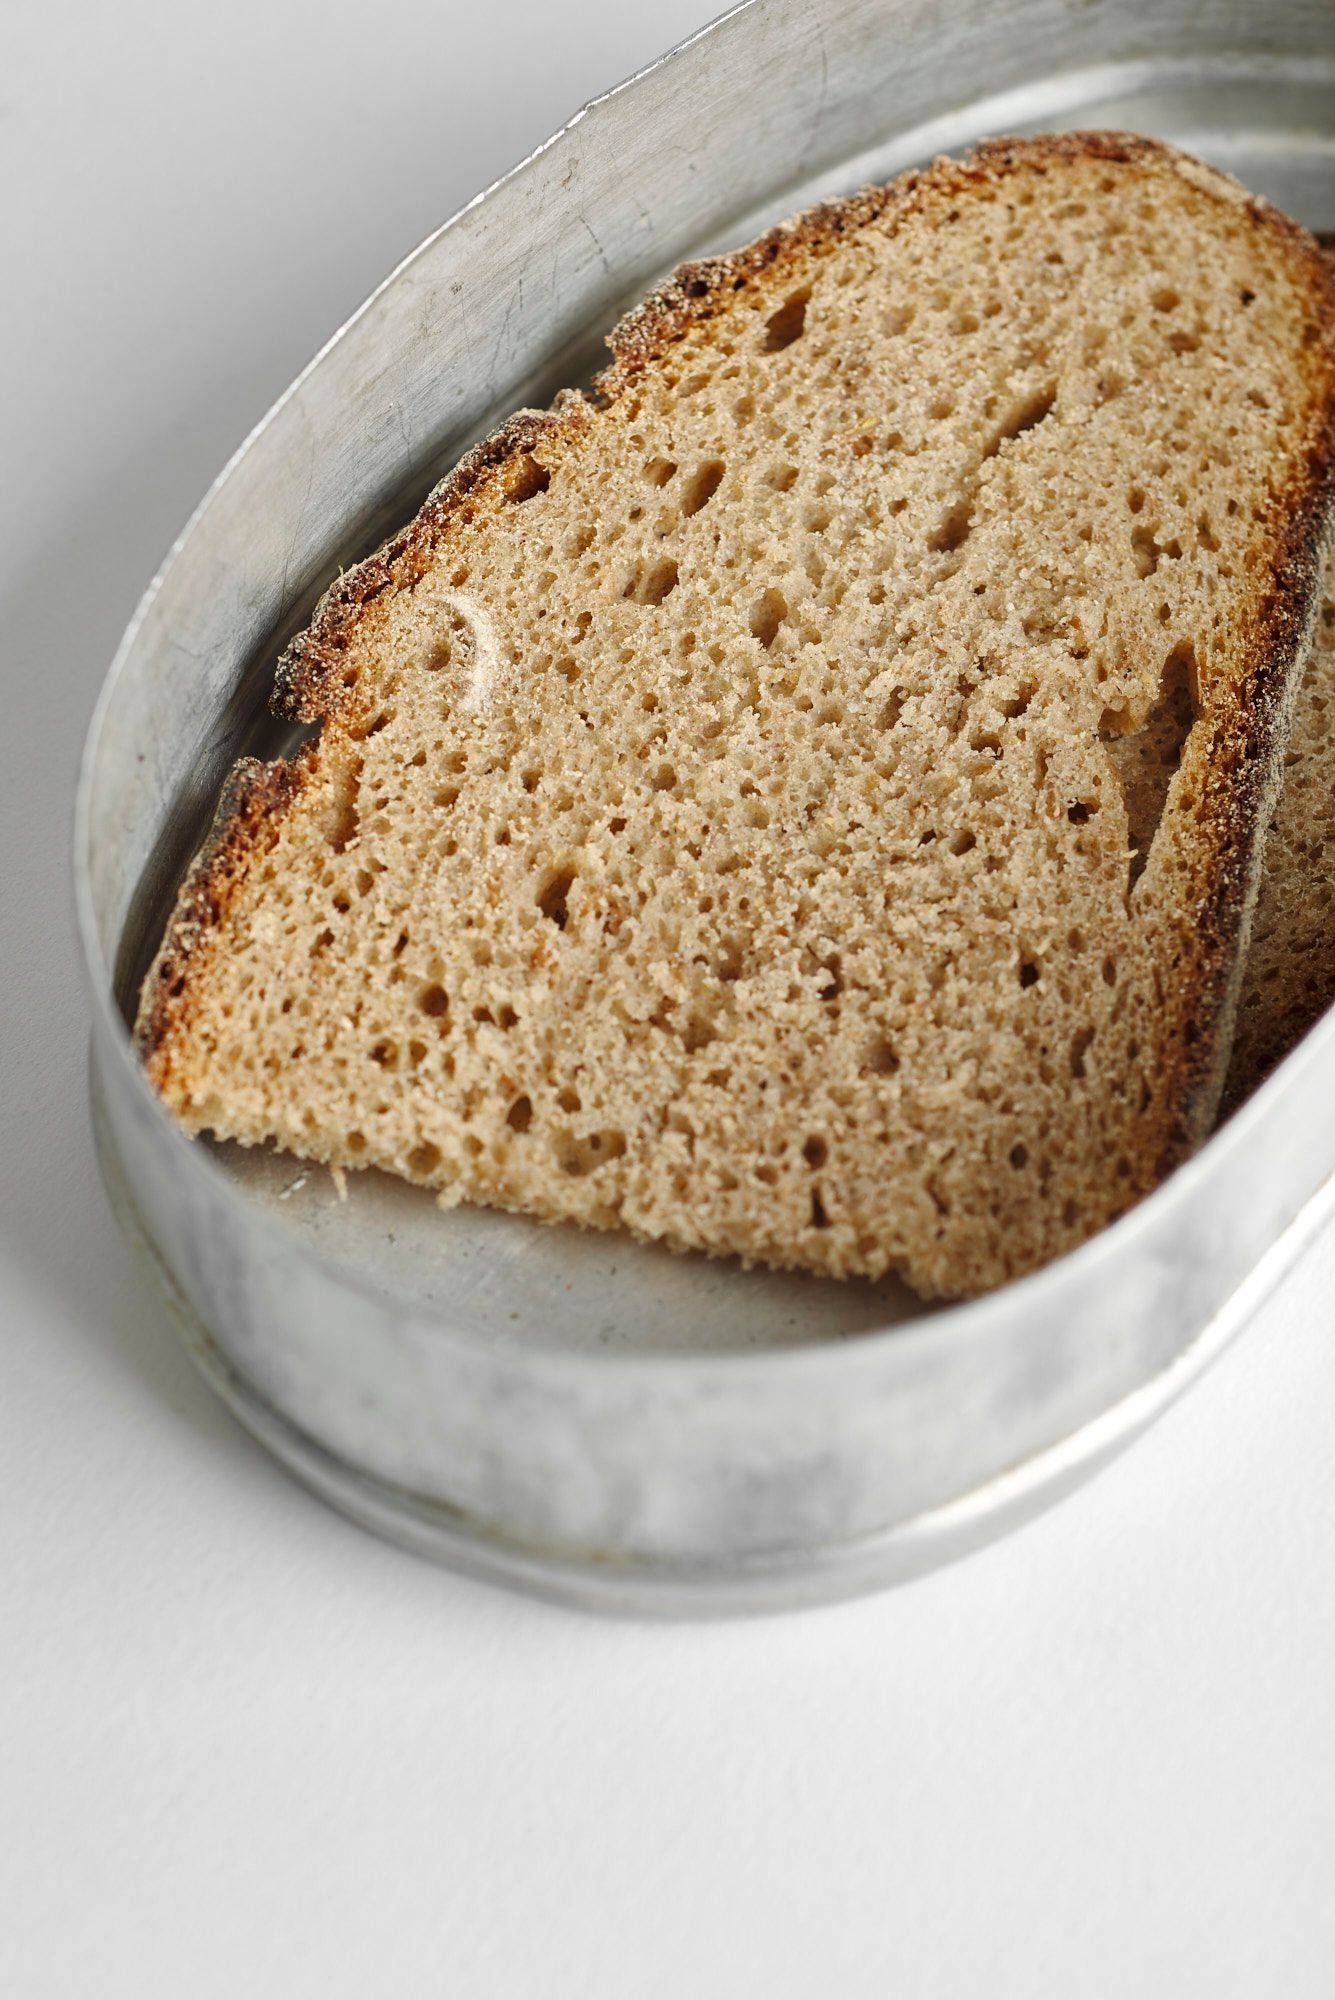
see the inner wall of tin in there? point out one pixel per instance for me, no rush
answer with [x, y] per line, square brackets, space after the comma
[423, 372]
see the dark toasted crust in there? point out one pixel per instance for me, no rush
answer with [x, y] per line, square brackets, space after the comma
[1248, 733]
[245, 826]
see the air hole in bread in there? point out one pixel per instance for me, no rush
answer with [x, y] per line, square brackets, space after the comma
[650, 583]
[881, 1058]
[1146, 551]
[892, 708]
[953, 530]
[729, 961]
[526, 478]
[1026, 415]
[379, 721]
[767, 615]
[702, 486]
[1146, 759]
[1080, 1042]
[697, 1032]
[579, 1155]
[343, 821]
[343, 830]
[788, 323]
[554, 896]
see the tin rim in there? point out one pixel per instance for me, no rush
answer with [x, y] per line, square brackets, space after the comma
[663, 1587]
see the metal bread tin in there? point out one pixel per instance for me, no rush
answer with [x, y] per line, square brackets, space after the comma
[580, 1414]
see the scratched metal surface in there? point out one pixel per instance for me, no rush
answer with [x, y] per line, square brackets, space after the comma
[583, 1392]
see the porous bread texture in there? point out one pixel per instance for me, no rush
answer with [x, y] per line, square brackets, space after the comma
[801, 801]
[1290, 975]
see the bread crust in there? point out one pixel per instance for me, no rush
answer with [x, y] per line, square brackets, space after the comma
[1248, 730]
[245, 825]
[1269, 1037]
[1246, 762]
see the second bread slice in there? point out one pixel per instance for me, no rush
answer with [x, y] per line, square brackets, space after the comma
[1290, 978]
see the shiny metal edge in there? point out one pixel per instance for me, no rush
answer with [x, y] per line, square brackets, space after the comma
[695, 1590]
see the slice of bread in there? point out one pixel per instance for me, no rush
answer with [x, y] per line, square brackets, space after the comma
[1290, 976]
[801, 800]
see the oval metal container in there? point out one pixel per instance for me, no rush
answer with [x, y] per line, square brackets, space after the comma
[580, 1414]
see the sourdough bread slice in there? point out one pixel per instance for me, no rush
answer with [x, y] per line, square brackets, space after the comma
[801, 800]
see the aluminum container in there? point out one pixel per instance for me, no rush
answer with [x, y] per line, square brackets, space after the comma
[580, 1414]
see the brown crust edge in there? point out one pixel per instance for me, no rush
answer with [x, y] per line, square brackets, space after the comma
[1244, 773]
[245, 825]
[309, 679]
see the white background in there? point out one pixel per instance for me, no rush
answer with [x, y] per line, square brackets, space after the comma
[244, 1748]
